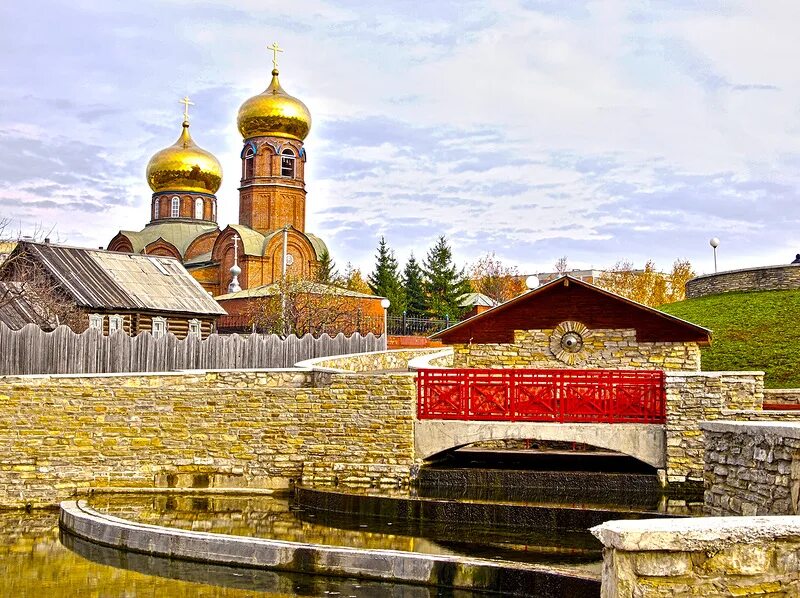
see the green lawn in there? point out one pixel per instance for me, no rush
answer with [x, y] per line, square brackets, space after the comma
[751, 331]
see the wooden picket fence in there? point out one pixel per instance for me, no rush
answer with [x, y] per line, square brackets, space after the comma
[32, 350]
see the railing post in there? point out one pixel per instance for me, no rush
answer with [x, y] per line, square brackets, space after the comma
[404, 323]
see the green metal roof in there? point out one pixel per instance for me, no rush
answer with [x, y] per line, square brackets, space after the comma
[179, 234]
[308, 286]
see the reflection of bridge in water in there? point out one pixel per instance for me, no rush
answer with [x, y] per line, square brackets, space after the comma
[621, 410]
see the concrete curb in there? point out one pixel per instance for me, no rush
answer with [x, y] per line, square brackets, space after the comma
[508, 578]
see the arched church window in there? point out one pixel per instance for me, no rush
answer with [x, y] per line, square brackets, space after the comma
[214, 211]
[156, 203]
[198, 208]
[249, 162]
[287, 163]
[176, 207]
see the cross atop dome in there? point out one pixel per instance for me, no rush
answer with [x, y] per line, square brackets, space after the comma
[275, 49]
[186, 103]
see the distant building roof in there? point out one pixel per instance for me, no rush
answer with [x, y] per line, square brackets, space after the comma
[568, 298]
[97, 279]
[306, 286]
[479, 299]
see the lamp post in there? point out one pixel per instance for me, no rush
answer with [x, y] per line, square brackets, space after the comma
[385, 303]
[714, 242]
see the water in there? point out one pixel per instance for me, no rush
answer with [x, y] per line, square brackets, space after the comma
[35, 563]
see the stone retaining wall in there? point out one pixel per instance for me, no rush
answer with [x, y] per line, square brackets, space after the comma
[782, 396]
[752, 468]
[247, 429]
[711, 556]
[693, 397]
[766, 278]
[601, 349]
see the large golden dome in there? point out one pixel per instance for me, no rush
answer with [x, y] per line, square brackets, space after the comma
[184, 167]
[275, 113]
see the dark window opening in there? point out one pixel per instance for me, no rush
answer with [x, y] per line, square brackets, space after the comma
[287, 163]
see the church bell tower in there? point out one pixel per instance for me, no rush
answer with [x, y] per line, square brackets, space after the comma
[273, 125]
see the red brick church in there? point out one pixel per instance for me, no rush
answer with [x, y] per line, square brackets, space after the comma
[270, 236]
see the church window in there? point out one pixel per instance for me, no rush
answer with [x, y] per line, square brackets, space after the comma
[194, 327]
[249, 162]
[214, 211]
[159, 328]
[198, 208]
[155, 208]
[287, 163]
[96, 321]
[176, 207]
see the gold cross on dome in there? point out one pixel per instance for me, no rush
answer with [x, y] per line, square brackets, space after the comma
[186, 103]
[275, 49]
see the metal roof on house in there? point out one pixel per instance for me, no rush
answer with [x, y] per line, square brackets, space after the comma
[16, 310]
[98, 279]
[473, 299]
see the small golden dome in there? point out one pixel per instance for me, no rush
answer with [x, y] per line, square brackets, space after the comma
[184, 166]
[275, 113]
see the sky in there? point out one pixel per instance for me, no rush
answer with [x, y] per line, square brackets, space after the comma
[600, 131]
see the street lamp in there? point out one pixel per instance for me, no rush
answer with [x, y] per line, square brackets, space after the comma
[385, 303]
[714, 242]
[532, 282]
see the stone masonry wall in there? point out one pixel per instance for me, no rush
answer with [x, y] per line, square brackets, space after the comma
[768, 278]
[782, 396]
[693, 397]
[752, 468]
[251, 429]
[700, 557]
[601, 349]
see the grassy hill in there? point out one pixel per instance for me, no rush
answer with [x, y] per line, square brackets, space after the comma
[751, 331]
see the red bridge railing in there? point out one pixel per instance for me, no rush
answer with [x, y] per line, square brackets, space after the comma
[588, 396]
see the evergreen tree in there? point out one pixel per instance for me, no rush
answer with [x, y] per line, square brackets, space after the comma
[385, 279]
[414, 287]
[445, 285]
[326, 269]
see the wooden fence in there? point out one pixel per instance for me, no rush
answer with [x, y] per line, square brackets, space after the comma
[32, 350]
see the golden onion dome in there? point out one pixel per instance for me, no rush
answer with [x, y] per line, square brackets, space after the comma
[184, 166]
[275, 113]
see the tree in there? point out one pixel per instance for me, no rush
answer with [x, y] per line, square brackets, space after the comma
[414, 288]
[445, 285]
[302, 307]
[489, 276]
[385, 279]
[561, 265]
[647, 286]
[354, 281]
[326, 269]
[28, 283]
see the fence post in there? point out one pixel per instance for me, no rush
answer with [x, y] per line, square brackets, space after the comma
[404, 322]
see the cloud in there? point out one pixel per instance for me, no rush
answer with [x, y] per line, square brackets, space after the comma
[535, 129]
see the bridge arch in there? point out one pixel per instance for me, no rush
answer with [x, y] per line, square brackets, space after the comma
[645, 442]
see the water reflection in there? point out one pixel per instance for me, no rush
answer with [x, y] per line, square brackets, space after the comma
[34, 563]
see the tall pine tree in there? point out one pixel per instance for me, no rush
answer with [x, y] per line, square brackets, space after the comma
[414, 287]
[445, 285]
[385, 279]
[326, 269]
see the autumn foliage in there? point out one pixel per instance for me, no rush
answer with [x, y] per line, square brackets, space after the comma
[647, 286]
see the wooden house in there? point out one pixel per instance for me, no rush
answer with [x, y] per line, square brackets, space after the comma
[571, 323]
[107, 290]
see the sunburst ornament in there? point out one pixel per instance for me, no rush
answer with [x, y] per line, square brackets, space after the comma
[567, 343]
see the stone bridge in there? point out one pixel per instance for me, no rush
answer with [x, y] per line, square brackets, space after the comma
[645, 442]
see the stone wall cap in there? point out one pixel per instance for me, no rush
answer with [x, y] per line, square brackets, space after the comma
[312, 363]
[751, 269]
[696, 374]
[776, 428]
[424, 360]
[694, 534]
